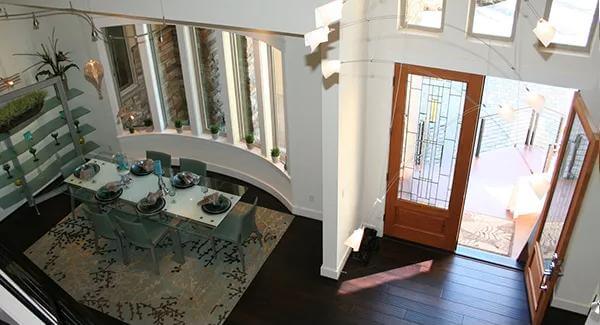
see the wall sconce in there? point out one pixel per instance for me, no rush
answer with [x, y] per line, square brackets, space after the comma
[329, 67]
[329, 13]
[316, 37]
[544, 31]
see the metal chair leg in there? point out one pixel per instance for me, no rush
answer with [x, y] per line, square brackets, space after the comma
[179, 258]
[242, 259]
[155, 260]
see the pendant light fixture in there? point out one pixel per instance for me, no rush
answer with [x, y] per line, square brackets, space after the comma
[94, 73]
[544, 31]
[507, 112]
[536, 101]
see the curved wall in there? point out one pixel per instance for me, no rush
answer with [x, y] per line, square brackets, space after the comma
[221, 157]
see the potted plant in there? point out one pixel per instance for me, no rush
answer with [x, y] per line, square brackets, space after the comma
[21, 109]
[179, 126]
[214, 131]
[148, 125]
[275, 152]
[249, 141]
[56, 61]
[131, 129]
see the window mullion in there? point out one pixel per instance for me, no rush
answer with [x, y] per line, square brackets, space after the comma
[227, 79]
[150, 78]
[190, 78]
[261, 68]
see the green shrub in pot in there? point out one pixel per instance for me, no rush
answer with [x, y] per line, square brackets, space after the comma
[214, 131]
[20, 109]
[249, 141]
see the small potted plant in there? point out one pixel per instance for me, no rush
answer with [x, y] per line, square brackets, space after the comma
[179, 126]
[148, 125]
[214, 131]
[275, 152]
[249, 141]
[131, 129]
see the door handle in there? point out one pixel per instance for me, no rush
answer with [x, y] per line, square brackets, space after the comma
[553, 269]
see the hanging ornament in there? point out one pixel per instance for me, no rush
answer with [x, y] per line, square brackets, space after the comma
[94, 72]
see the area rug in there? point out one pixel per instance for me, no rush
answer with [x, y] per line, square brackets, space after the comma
[203, 290]
[487, 233]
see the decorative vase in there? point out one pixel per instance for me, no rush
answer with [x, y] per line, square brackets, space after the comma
[275, 159]
[179, 130]
[250, 146]
[214, 136]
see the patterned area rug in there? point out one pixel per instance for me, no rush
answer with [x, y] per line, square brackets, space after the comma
[487, 233]
[204, 290]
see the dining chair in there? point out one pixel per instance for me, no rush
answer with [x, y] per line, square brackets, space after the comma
[148, 234]
[165, 160]
[190, 165]
[104, 227]
[236, 228]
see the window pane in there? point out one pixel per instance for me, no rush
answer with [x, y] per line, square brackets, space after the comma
[425, 13]
[170, 77]
[494, 18]
[133, 101]
[246, 86]
[210, 88]
[120, 56]
[278, 102]
[572, 20]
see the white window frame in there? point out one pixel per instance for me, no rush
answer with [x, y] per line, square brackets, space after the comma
[471, 21]
[274, 100]
[592, 30]
[404, 24]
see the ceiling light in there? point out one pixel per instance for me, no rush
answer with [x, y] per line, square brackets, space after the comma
[329, 13]
[329, 67]
[536, 101]
[316, 37]
[355, 239]
[544, 31]
[507, 112]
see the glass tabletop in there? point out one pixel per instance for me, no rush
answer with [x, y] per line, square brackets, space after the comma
[181, 208]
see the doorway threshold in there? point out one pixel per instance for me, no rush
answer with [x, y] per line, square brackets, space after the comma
[488, 257]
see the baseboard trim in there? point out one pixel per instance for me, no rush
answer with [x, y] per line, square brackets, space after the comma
[308, 213]
[335, 274]
[570, 305]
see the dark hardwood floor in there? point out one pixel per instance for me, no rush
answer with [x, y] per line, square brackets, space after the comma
[404, 283]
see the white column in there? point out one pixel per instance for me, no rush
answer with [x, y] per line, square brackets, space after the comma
[190, 77]
[263, 89]
[150, 78]
[227, 82]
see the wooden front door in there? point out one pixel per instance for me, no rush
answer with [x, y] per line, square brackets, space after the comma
[577, 156]
[434, 120]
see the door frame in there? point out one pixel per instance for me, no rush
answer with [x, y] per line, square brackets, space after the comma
[538, 308]
[470, 120]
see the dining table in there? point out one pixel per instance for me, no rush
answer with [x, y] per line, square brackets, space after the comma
[181, 210]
